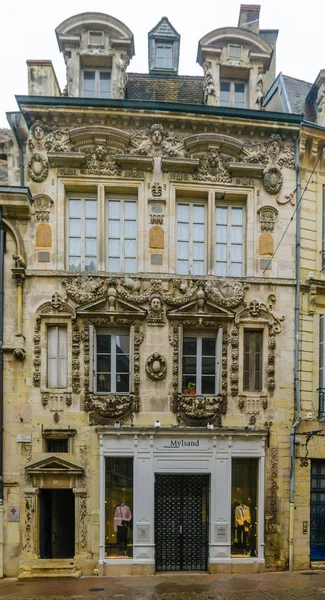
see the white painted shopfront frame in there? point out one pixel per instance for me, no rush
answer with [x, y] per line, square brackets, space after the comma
[156, 451]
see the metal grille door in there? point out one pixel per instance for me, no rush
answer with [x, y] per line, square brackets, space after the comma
[181, 522]
[317, 510]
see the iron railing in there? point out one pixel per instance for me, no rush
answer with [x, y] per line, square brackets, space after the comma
[321, 403]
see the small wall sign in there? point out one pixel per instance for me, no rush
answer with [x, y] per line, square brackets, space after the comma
[13, 513]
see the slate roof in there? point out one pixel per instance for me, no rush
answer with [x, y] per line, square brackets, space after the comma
[297, 91]
[181, 88]
[164, 29]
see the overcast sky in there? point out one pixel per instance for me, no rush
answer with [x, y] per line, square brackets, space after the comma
[27, 32]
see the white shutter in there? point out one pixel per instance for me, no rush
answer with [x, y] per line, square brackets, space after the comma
[52, 357]
[63, 357]
[321, 351]
[219, 361]
[132, 359]
[92, 350]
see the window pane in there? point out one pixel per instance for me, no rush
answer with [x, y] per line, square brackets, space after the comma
[221, 252]
[240, 95]
[122, 383]
[122, 344]
[114, 248]
[208, 365]
[237, 235]
[130, 229]
[182, 267]
[91, 227]
[221, 269]
[103, 383]
[189, 364]
[75, 246]
[244, 509]
[225, 93]
[130, 248]
[182, 232]
[118, 507]
[122, 363]
[114, 265]
[198, 268]
[221, 233]
[91, 247]
[189, 346]
[114, 229]
[198, 251]
[105, 81]
[198, 214]
[130, 210]
[235, 51]
[104, 363]
[221, 215]
[75, 208]
[103, 343]
[198, 233]
[75, 227]
[188, 379]
[91, 209]
[208, 347]
[183, 212]
[114, 209]
[208, 385]
[236, 270]
[90, 265]
[237, 216]
[74, 263]
[89, 83]
[182, 250]
[130, 265]
[237, 253]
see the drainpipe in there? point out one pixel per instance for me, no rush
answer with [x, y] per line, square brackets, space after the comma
[296, 363]
[2, 252]
[19, 128]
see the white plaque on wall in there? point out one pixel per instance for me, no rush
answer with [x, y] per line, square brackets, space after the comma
[221, 532]
[180, 444]
[143, 532]
[24, 438]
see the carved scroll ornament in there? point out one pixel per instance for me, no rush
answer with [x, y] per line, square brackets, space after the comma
[156, 367]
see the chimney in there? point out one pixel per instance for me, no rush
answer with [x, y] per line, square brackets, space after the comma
[249, 17]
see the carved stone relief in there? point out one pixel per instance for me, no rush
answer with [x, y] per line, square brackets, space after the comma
[199, 410]
[212, 167]
[267, 215]
[27, 532]
[209, 89]
[105, 409]
[156, 141]
[275, 154]
[264, 313]
[156, 367]
[38, 167]
[42, 205]
[82, 519]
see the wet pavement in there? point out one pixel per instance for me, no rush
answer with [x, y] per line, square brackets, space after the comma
[267, 586]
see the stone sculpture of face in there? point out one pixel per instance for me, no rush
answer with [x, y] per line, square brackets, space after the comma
[38, 132]
[156, 137]
[155, 304]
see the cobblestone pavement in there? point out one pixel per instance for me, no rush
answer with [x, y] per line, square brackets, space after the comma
[308, 593]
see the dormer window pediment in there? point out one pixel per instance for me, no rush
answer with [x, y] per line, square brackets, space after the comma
[163, 50]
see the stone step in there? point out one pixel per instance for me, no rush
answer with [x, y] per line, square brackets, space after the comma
[56, 570]
[317, 566]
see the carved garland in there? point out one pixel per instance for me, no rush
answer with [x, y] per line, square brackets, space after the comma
[260, 311]
[105, 409]
[199, 410]
[28, 528]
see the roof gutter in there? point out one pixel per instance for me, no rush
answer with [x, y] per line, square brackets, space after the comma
[19, 128]
[147, 105]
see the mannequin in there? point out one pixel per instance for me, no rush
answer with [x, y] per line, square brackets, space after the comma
[122, 517]
[243, 524]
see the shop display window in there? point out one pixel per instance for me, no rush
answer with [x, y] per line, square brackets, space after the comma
[244, 513]
[118, 507]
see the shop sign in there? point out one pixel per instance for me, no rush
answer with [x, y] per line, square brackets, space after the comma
[222, 532]
[13, 513]
[180, 444]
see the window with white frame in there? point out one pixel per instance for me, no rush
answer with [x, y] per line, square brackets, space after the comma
[164, 56]
[122, 235]
[233, 93]
[201, 363]
[229, 252]
[321, 390]
[191, 235]
[82, 234]
[57, 356]
[112, 361]
[96, 84]
[234, 51]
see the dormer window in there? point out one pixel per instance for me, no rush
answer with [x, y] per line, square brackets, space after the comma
[96, 84]
[233, 93]
[234, 51]
[95, 38]
[164, 56]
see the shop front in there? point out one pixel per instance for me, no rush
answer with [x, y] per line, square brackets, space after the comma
[174, 499]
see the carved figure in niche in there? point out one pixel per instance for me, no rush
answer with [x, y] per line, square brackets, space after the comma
[122, 78]
[156, 313]
[208, 83]
[259, 91]
[200, 298]
[36, 141]
[71, 74]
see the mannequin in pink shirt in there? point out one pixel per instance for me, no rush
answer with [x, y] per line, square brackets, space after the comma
[122, 517]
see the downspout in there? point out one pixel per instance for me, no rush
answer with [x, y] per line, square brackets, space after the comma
[296, 362]
[2, 252]
[14, 119]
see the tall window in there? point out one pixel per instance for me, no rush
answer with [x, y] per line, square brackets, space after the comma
[112, 366]
[323, 230]
[201, 364]
[321, 406]
[253, 341]
[118, 507]
[57, 357]
[164, 56]
[191, 239]
[122, 236]
[244, 507]
[232, 93]
[229, 241]
[82, 234]
[97, 84]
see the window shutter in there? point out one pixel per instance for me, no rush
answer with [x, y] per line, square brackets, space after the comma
[52, 357]
[246, 381]
[91, 358]
[323, 230]
[219, 361]
[258, 361]
[62, 357]
[321, 351]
